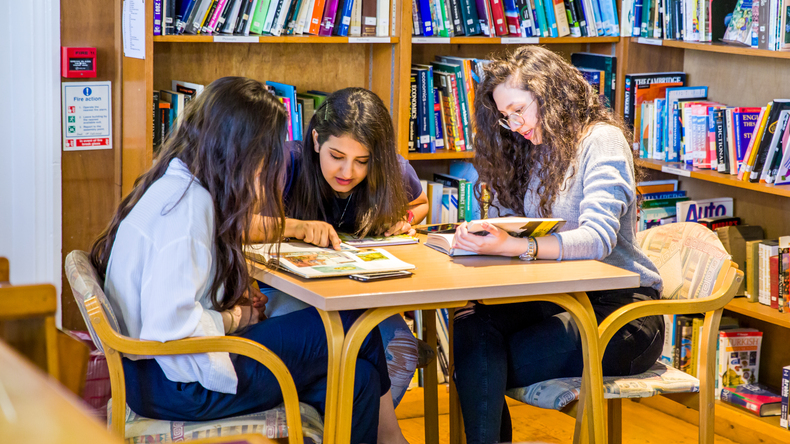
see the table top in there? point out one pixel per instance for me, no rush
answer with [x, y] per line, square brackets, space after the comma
[34, 408]
[441, 278]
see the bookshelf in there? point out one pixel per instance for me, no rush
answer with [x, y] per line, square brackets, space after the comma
[735, 76]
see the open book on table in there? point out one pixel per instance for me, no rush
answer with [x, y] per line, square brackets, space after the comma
[377, 241]
[309, 261]
[516, 226]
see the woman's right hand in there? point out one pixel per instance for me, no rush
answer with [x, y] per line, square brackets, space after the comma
[315, 232]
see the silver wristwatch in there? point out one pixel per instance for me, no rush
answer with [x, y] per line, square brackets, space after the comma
[532, 250]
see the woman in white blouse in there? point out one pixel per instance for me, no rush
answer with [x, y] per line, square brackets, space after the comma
[174, 268]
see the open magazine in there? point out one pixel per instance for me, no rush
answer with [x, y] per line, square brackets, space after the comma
[377, 241]
[309, 261]
[516, 226]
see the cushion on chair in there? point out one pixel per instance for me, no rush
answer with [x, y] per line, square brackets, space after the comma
[85, 283]
[557, 393]
[688, 255]
[270, 423]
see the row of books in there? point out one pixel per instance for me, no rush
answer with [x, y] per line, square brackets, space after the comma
[757, 24]
[169, 104]
[661, 202]
[518, 18]
[442, 104]
[450, 199]
[768, 272]
[273, 17]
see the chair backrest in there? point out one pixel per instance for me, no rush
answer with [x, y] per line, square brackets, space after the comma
[85, 283]
[688, 256]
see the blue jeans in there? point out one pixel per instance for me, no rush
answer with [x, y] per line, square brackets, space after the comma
[400, 346]
[300, 341]
[498, 347]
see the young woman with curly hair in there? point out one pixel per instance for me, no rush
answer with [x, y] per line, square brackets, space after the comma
[548, 147]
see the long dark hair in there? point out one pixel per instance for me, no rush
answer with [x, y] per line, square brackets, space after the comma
[567, 107]
[361, 115]
[231, 139]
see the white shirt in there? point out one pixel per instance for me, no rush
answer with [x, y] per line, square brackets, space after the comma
[160, 272]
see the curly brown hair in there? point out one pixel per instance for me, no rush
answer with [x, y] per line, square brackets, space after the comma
[567, 108]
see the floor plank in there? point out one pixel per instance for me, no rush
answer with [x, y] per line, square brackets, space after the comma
[641, 424]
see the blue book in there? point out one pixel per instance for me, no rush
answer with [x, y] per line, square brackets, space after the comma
[664, 195]
[636, 30]
[424, 113]
[551, 20]
[345, 18]
[609, 16]
[289, 91]
[674, 130]
[785, 395]
[437, 115]
[183, 15]
[425, 13]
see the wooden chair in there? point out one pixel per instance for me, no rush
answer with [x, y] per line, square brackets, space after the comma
[24, 302]
[699, 277]
[104, 329]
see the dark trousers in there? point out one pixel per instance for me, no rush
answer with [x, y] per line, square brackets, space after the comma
[299, 339]
[516, 345]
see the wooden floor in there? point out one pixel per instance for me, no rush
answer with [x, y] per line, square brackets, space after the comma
[641, 424]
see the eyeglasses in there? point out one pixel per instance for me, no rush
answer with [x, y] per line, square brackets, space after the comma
[514, 120]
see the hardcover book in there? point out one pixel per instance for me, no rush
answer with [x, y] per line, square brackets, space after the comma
[755, 398]
[516, 226]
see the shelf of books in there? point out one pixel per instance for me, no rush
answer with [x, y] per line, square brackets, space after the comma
[270, 39]
[680, 169]
[713, 47]
[512, 40]
[759, 311]
[441, 155]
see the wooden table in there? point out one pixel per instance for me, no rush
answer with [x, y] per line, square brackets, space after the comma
[443, 282]
[35, 408]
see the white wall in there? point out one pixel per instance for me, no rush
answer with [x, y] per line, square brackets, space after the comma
[30, 171]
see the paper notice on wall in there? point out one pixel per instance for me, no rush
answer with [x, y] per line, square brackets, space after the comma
[134, 28]
[87, 116]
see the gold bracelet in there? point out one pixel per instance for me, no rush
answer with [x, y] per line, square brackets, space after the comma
[235, 318]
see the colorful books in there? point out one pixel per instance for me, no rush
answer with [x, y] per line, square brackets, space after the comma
[755, 398]
[309, 261]
[739, 357]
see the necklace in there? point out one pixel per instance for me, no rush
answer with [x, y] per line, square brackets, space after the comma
[348, 200]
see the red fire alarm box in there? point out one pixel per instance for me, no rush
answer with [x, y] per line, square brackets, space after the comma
[77, 62]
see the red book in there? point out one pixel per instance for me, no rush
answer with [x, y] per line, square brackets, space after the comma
[498, 14]
[755, 398]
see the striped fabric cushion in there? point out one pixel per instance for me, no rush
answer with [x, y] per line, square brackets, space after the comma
[270, 423]
[557, 393]
[688, 255]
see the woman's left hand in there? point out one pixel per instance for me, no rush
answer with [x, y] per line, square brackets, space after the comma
[497, 242]
[401, 227]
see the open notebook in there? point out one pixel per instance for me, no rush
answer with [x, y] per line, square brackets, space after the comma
[516, 226]
[309, 261]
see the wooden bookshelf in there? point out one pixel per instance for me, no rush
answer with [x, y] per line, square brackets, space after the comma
[719, 47]
[271, 39]
[512, 40]
[441, 155]
[759, 311]
[683, 170]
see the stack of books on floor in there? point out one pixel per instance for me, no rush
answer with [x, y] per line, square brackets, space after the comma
[516, 18]
[274, 17]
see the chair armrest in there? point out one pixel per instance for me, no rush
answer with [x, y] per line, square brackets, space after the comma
[226, 344]
[4, 270]
[27, 301]
[622, 316]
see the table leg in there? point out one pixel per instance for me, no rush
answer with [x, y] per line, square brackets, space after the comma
[430, 381]
[354, 338]
[580, 309]
[334, 341]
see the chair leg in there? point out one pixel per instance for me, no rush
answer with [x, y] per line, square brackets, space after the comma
[614, 419]
[707, 419]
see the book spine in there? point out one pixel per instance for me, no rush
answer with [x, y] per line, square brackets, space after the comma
[785, 392]
[471, 20]
[157, 17]
[368, 17]
[413, 138]
[437, 120]
[735, 399]
[457, 17]
[329, 19]
[498, 14]
[214, 22]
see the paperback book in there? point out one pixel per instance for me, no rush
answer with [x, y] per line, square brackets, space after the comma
[516, 226]
[755, 398]
[309, 261]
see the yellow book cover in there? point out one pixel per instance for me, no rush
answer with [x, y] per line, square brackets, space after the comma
[754, 143]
